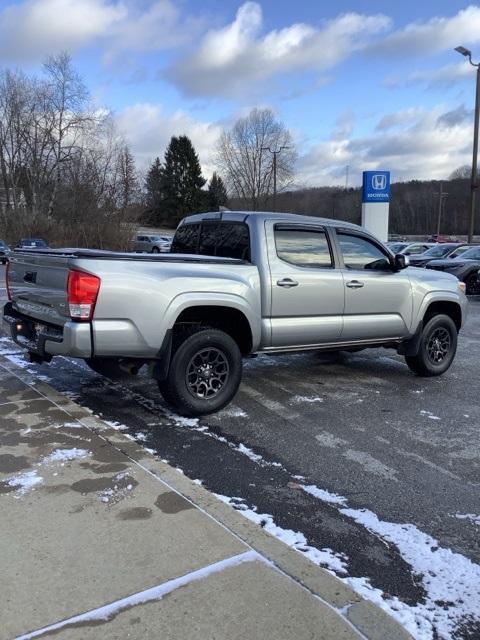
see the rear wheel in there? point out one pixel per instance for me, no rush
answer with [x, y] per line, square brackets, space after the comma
[437, 349]
[108, 367]
[205, 372]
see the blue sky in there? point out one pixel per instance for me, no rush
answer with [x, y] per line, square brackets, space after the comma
[365, 84]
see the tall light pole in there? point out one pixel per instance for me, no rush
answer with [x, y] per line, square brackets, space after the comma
[275, 154]
[442, 196]
[473, 182]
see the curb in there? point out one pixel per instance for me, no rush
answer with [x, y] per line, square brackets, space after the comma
[367, 618]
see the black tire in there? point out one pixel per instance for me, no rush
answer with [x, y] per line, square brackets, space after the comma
[155, 250]
[438, 346]
[205, 372]
[472, 284]
[108, 367]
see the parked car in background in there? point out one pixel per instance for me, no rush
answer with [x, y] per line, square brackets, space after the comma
[409, 248]
[441, 250]
[32, 243]
[152, 243]
[465, 266]
[4, 251]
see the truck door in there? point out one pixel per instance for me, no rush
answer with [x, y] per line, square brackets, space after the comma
[378, 300]
[307, 292]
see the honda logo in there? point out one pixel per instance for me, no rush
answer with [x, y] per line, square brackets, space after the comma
[379, 181]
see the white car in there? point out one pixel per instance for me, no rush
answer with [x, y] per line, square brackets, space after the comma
[152, 243]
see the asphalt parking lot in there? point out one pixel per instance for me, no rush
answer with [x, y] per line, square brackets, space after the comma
[376, 466]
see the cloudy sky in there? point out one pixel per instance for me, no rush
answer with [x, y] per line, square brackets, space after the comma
[368, 84]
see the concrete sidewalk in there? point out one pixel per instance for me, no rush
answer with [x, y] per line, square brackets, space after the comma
[98, 539]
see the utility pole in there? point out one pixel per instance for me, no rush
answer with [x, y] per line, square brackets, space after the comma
[473, 180]
[442, 196]
[275, 154]
[347, 169]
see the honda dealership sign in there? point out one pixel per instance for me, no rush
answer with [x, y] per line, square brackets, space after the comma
[375, 199]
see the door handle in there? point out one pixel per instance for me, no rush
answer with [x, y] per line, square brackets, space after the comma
[355, 284]
[287, 282]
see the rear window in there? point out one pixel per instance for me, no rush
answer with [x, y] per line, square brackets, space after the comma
[212, 238]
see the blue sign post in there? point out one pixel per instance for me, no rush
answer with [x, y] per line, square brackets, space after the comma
[375, 202]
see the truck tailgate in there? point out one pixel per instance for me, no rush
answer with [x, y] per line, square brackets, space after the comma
[38, 286]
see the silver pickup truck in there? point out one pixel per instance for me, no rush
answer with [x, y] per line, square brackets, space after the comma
[235, 284]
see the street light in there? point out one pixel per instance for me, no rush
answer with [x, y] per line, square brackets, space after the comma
[275, 154]
[473, 181]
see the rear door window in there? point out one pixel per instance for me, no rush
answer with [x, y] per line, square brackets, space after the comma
[186, 239]
[233, 241]
[303, 247]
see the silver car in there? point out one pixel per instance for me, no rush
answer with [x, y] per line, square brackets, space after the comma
[153, 243]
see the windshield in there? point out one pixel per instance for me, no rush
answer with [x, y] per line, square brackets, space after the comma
[157, 239]
[459, 251]
[437, 251]
[395, 247]
[472, 254]
[2, 244]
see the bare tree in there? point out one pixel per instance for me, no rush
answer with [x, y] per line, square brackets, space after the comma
[245, 157]
[461, 172]
[66, 116]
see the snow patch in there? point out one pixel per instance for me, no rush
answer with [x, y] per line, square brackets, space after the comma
[336, 562]
[472, 517]
[234, 412]
[65, 455]
[307, 399]
[25, 481]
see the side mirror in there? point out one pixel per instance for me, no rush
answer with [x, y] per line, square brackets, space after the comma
[401, 261]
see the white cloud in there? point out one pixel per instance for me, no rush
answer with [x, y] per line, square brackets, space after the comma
[148, 129]
[33, 29]
[434, 35]
[231, 59]
[413, 144]
[442, 77]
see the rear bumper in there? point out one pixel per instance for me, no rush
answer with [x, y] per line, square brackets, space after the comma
[73, 339]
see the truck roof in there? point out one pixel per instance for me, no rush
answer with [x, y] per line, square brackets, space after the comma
[242, 216]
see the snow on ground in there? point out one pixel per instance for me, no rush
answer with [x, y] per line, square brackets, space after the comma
[307, 399]
[25, 481]
[65, 455]
[336, 562]
[430, 415]
[471, 517]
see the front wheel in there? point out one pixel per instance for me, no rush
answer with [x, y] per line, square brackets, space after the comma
[155, 250]
[438, 345]
[204, 374]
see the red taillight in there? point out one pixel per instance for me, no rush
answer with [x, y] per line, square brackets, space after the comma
[7, 284]
[82, 292]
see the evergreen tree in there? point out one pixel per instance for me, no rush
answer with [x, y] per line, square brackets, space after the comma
[217, 194]
[128, 180]
[182, 181]
[154, 183]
